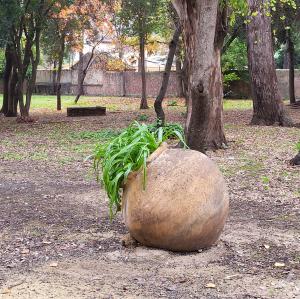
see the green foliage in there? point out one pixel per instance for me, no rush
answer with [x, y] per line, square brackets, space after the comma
[228, 78]
[298, 146]
[172, 103]
[103, 135]
[128, 153]
[235, 57]
[143, 117]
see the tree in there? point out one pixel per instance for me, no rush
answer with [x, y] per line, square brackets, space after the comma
[268, 107]
[204, 25]
[95, 25]
[23, 23]
[286, 25]
[139, 18]
[166, 75]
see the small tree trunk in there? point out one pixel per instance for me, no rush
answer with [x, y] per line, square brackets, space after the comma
[83, 74]
[59, 71]
[203, 24]
[144, 104]
[54, 75]
[290, 48]
[268, 107]
[158, 102]
[80, 90]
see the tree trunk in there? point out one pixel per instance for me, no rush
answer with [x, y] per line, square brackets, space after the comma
[179, 70]
[203, 25]
[158, 102]
[144, 104]
[83, 74]
[6, 80]
[54, 75]
[80, 90]
[290, 48]
[59, 71]
[268, 107]
[35, 60]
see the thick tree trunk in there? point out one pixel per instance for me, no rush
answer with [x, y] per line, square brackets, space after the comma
[158, 102]
[179, 69]
[35, 60]
[290, 49]
[268, 107]
[144, 104]
[12, 98]
[6, 80]
[203, 26]
[59, 71]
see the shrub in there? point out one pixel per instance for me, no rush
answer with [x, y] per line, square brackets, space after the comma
[128, 153]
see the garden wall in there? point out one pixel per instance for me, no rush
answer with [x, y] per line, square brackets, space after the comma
[129, 83]
[107, 83]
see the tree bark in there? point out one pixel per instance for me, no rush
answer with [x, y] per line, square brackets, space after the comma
[290, 49]
[179, 69]
[166, 76]
[144, 104]
[59, 71]
[35, 60]
[203, 25]
[82, 74]
[80, 90]
[54, 75]
[6, 80]
[268, 107]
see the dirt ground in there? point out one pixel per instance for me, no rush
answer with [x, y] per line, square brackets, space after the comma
[56, 239]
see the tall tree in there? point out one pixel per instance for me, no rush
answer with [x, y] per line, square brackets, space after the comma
[268, 107]
[204, 26]
[166, 75]
[140, 18]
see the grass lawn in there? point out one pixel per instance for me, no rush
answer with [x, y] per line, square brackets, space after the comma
[118, 103]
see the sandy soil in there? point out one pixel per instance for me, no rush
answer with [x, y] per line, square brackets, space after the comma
[56, 239]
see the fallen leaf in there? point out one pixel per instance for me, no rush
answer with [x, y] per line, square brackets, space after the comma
[267, 246]
[25, 251]
[46, 242]
[211, 285]
[54, 264]
[279, 265]
[5, 291]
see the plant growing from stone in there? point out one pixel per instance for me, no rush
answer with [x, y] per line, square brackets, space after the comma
[127, 153]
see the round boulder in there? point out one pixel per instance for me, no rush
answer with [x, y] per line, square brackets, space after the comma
[184, 205]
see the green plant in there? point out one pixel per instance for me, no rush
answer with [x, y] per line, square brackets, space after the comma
[172, 103]
[298, 146]
[128, 153]
[143, 117]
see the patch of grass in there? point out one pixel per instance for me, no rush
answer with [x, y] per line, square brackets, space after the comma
[13, 156]
[142, 117]
[252, 167]
[237, 104]
[172, 103]
[102, 135]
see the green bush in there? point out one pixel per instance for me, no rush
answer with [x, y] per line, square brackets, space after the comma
[128, 153]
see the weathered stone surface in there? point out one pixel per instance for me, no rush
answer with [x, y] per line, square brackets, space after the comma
[86, 111]
[184, 206]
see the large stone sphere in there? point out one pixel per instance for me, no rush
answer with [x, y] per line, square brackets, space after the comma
[184, 205]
